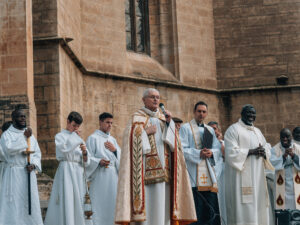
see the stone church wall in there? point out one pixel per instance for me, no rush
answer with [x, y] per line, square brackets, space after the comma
[256, 42]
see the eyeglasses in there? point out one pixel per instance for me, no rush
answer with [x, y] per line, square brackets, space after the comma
[153, 97]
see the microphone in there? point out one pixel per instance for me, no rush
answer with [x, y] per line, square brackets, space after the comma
[162, 107]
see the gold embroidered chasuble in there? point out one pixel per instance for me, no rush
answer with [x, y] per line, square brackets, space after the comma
[134, 174]
[281, 180]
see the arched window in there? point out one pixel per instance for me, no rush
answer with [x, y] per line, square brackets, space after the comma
[137, 26]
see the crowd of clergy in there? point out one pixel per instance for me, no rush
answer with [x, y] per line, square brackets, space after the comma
[166, 173]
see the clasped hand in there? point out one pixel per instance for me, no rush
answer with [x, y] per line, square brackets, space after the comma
[289, 151]
[205, 153]
[30, 168]
[104, 163]
[259, 152]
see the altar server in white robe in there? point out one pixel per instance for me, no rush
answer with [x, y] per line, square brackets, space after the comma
[285, 159]
[153, 186]
[104, 179]
[14, 202]
[296, 135]
[4, 127]
[246, 157]
[66, 204]
[202, 151]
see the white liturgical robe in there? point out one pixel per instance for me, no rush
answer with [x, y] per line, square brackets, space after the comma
[157, 196]
[247, 201]
[145, 174]
[192, 154]
[14, 186]
[296, 142]
[2, 160]
[192, 157]
[221, 189]
[66, 204]
[104, 181]
[288, 165]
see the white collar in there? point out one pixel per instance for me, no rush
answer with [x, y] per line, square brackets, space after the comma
[245, 125]
[15, 130]
[151, 113]
[101, 133]
[66, 131]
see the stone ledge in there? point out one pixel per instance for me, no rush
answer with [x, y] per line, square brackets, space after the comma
[155, 81]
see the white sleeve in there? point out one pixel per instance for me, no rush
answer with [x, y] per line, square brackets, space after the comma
[36, 156]
[169, 136]
[2, 156]
[67, 145]
[13, 144]
[93, 162]
[276, 161]
[145, 143]
[235, 156]
[190, 154]
[91, 146]
[216, 150]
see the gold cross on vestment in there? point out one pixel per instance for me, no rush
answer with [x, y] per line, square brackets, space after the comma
[203, 179]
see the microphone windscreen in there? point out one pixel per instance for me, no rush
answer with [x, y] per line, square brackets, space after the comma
[161, 105]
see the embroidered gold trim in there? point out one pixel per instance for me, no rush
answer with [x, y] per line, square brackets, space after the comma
[154, 172]
[137, 168]
[247, 190]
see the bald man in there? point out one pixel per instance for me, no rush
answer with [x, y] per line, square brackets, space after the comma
[285, 159]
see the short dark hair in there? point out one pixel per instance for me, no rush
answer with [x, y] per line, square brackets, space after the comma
[296, 130]
[247, 107]
[105, 115]
[213, 123]
[17, 109]
[283, 130]
[200, 103]
[177, 120]
[6, 125]
[76, 117]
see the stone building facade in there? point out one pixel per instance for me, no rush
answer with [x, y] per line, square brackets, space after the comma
[62, 55]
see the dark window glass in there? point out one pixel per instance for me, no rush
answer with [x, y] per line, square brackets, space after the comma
[137, 26]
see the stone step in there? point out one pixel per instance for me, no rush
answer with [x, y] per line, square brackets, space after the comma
[44, 186]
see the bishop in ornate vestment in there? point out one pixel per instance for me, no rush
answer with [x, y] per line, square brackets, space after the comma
[285, 159]
[246, 158]
[153, 187]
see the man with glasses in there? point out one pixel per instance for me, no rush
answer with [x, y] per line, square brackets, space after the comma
[153, 180]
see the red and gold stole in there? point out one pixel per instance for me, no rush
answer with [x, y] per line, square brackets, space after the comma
[280, 180]
[154, 171]
[132, 181]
